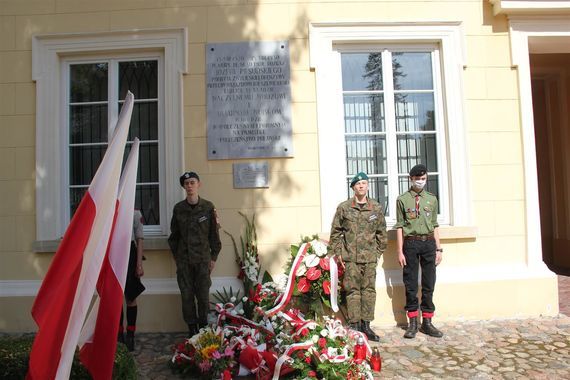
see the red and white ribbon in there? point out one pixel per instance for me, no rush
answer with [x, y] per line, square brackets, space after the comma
[290, 281]
[287, 356]
[334, 283]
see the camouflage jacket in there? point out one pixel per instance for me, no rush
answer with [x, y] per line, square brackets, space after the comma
[358, 234]
[194, 233]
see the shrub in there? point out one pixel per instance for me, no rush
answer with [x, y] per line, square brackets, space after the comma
[15, 354]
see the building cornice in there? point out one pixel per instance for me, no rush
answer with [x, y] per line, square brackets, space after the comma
[530, 7]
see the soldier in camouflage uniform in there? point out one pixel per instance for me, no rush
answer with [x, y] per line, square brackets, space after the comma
[358, 237]
[195, 243]
[418, 246]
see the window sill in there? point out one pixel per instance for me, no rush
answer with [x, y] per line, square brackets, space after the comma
[448, 233]
[153, 243]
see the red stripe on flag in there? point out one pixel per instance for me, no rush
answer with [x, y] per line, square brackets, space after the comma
[100, 363]
[55, 297]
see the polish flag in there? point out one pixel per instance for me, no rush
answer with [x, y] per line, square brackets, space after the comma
[98, 339]
[62, 302]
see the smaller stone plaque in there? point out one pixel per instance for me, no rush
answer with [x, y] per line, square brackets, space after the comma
[251, 175]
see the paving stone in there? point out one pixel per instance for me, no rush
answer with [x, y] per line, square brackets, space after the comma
[513, 349]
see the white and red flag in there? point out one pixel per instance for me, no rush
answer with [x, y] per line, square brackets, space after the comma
[98, 339]
[63, 300]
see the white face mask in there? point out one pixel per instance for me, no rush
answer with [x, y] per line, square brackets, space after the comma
[419, 184]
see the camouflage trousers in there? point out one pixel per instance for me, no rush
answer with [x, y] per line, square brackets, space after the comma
[360, 285]
[194, 282]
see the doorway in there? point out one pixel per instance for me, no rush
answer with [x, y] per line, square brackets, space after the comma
[550, 81]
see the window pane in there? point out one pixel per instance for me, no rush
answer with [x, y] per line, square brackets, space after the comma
[148, 161]
[83, 163]
[416, 149]
[364, 113]
[361, 71]
[377, 189]
[412, 71]
[88, 82]
[75, 196]
[147, 201]
[87, 124]
[432, 185]
[139, 77]
[366, 154]
[144, 121]
[414, 112]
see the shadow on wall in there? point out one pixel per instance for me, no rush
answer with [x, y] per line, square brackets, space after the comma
[284, 196]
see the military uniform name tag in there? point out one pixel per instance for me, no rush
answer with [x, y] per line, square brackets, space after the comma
[372, 217]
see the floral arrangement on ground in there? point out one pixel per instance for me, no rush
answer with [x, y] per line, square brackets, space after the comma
[261, 334]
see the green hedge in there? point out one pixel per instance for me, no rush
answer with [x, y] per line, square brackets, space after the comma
[15, 353]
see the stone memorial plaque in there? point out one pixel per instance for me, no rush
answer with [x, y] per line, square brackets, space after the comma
[251, 175]
[249, 100]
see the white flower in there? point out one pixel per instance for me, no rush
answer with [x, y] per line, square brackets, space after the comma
[241, 311]
[319, 247]
[315, 338]
[301, 270]
[244, 299]
[232, 299]
[311, 261]
[324, 332]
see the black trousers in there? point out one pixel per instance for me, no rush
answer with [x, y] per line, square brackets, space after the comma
[419, 254]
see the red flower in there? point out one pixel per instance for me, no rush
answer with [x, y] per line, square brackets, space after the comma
[303, 285]
[308, 359]
[322, 342]
[325, 263]
[304, 332]
[300, 355]
[227, 375]
[327, 286]
[312, 374]
[313, 273]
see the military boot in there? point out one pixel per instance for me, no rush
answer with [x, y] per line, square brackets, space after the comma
[365, 328]
[412, 329]
[354, 326]
[429, 329]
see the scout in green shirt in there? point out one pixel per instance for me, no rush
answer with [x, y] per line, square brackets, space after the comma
[418, 246]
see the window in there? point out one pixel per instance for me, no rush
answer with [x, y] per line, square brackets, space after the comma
[97, 91]
[390, 119]
[81, 82]
[389, 96]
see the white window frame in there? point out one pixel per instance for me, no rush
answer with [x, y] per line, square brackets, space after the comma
[112, 116]
[326, 39]
[391, 133]
[49, 53]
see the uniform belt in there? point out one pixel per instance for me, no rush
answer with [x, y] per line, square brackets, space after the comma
[420, 237]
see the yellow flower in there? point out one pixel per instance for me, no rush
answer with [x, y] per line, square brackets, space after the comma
[207, 351]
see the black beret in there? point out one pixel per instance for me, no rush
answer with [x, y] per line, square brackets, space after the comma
[418, 170]
[187, 175]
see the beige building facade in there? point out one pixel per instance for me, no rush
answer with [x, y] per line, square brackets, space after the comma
[477, 90]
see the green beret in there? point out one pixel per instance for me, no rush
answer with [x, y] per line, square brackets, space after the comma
[359, 177]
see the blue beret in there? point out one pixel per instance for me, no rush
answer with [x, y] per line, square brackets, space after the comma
[187, 175]
[359, 177]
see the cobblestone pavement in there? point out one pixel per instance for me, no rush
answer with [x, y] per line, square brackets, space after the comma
[506, 349]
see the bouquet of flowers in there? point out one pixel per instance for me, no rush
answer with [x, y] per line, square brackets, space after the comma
[204, 355]
[317, 275]
[256, 283]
